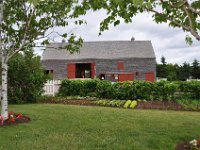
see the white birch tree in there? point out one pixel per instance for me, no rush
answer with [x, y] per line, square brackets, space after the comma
[22, 22]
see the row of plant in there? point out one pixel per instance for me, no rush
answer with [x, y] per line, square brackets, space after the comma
[163, 90]
[60, 99]
[189, 104]
[117, 103]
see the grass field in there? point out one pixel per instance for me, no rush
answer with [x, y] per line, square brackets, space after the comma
[65, 127]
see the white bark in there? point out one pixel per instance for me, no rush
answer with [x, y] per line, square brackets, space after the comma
[4, 69]
[4, 91]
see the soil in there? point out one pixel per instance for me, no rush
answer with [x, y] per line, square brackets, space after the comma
[166, 105]
[163, 105]
[72, 102]
[23, 119]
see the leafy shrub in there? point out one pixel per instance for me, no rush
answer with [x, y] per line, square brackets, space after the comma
[189, 104]
[26, 78]
[133, 104]
[89, 87]
[124, 90]
[127, 104]
[130, 90]
[143, 89]
[104, 89]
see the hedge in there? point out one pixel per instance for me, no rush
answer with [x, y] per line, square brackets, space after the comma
[130, 90]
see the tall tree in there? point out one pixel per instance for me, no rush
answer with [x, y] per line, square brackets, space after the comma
[162, 68]
[195, 69]
[182, 14]
[163, 60]
[22, 22]
[184, 71]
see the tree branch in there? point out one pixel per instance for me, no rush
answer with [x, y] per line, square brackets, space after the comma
[191, 26]
[192, 9]
[187, 28]
[23, 41]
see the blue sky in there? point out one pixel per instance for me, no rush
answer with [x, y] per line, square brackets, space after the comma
[167, 41]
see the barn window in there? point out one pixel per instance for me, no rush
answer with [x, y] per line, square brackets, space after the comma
[102, 76]
[120, 65]
[83, 70]
[48, 71]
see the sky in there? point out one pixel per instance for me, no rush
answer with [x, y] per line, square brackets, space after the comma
[167, 41]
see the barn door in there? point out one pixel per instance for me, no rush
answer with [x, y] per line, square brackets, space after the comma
[125, 77]
[93, 70]
[71, 71]
[150, 76]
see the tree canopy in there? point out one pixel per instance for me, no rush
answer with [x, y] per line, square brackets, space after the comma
[22, 22]
[183, 14]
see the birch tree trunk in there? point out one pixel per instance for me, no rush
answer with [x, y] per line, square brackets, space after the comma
[4, 90]
[4, 71]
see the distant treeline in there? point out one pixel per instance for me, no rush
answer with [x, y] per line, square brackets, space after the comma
[174, 72]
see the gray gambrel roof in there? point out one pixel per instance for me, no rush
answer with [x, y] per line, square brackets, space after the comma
[102, 50]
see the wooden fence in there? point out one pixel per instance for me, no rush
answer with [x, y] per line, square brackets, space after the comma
[51, 87]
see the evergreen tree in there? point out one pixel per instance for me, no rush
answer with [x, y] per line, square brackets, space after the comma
[195, 69]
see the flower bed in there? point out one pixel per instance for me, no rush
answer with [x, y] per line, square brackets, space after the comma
[189, 145]
[14, 118]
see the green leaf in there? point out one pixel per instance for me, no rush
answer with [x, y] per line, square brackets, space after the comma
[116, 22]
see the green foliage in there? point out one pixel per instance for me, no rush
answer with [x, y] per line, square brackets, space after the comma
[189, 104]
[181, 14]
[28, 20]
[110, 103]
[26, 78]
[104, 89]
[71, 88]
[133, 104]
[175, 72]
[123, 90]
[127, 104]
[163, 90]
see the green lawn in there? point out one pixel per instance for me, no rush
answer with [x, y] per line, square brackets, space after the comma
[65, 127]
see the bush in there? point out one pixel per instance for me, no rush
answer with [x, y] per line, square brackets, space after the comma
[131, 90]
[26, 78]
[105, 89]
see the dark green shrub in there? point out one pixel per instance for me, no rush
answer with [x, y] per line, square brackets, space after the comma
[143, 89]
[71, 88]
[26, 78]
[124, 90]
[163, 90]
[89, 87]
[105, 89]
[190, 89]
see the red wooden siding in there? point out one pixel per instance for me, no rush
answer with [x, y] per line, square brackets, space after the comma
[150, 76]
[93, 70]
[125, 77]
[120, 65]
[71, 71]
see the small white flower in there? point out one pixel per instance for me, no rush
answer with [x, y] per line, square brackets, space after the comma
[193, 142]
[11, 116]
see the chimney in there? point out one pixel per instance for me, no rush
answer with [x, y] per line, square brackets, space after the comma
[132, 39]
[63, 40]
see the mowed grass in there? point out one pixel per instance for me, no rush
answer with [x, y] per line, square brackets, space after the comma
[66, 127]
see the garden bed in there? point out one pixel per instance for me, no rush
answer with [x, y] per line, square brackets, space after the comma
[163, 105]
[15, 119]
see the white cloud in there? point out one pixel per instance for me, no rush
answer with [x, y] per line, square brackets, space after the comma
[167, 41]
